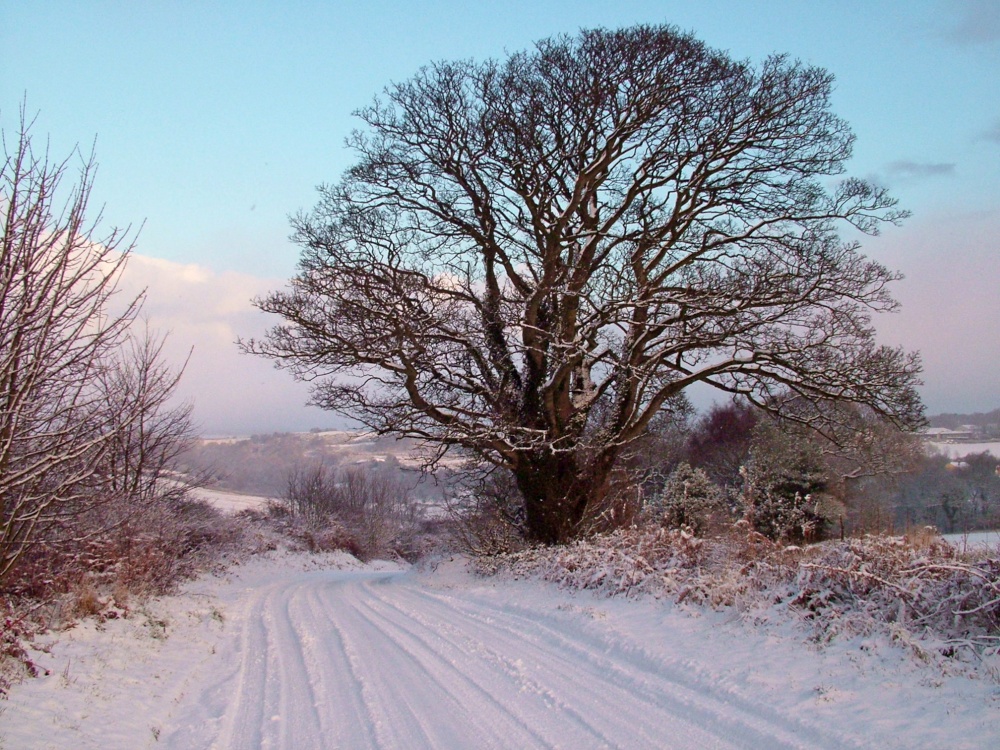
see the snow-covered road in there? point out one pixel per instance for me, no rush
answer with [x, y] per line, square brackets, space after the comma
[288, 654]
[359, 660]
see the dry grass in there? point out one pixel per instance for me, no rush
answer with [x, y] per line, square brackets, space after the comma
[104, 573]
[920, 590]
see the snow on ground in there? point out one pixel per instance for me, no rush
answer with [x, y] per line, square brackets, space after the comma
[232, 502]
[974, 540]
[961, 450]
[295, 651]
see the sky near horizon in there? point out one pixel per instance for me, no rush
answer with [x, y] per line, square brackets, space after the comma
[215, 121]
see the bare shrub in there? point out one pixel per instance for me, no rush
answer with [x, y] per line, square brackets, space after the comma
[370, 513]
[311, 493]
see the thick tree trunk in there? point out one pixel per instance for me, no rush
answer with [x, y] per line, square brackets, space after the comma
[558, 489]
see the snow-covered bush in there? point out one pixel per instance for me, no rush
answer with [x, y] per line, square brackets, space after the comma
[689, 499]
[15, 661]
[131, 553]
[923, 594]
[925, 590]
[630, 561]
[783, 485]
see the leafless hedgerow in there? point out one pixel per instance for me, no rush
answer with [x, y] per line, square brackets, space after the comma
[532, 257]
[360, 509]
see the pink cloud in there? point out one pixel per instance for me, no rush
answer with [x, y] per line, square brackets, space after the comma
[204, 312]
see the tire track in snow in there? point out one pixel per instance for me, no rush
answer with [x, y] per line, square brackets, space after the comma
[656, 701]
[627, 658]
[484, 705]
[349, 716]
[581, 700]
[358, 660]
[274, 704]
[579, 715]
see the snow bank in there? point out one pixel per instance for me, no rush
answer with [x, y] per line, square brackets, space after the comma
[940, 603]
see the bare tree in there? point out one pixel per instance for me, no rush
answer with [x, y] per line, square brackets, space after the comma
[377, 508]
[146, 430]
[532, 257]
[60, 340]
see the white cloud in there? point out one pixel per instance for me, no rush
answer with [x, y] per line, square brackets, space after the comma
[910, 170]
[204, 312]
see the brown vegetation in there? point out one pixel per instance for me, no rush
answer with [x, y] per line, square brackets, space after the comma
[921, 591]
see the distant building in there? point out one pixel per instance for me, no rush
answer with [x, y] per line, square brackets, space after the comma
[944, 435]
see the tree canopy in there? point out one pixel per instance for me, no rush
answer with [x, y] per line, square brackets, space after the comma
[532, 257]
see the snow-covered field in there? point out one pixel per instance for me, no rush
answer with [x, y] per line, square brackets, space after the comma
[231, 502]
[989, 540]
[296, 651]
[961, 450]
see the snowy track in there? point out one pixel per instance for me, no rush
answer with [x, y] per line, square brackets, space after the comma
[359, 660]
[318, 651]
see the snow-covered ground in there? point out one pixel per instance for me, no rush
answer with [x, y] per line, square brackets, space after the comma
[973, 540]
[295, 651]
[961, 450]
[231, 502]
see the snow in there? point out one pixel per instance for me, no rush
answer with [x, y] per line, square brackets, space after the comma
[299, 651]
[989, 540]
[961, 450]
[232, 502]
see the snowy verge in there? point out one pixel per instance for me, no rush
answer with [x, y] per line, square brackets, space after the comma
[939, 603]
[864, 688]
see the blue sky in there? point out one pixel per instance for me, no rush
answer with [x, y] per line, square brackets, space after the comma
[216, 120]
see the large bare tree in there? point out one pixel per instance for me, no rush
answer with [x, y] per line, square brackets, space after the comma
[534, 256]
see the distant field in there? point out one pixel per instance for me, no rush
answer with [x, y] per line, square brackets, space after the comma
[975, 539]
[232, 502]
[959, 450]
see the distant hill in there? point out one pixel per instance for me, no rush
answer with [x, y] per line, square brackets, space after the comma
[988, 422]
[261, 464]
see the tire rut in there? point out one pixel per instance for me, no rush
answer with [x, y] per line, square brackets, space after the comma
[381, 661]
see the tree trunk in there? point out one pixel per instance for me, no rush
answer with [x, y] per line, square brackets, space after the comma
[558, 491]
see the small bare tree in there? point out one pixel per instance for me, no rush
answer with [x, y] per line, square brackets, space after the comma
[532, 257]
[147, 432]
[84, 412]
[377, 509]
